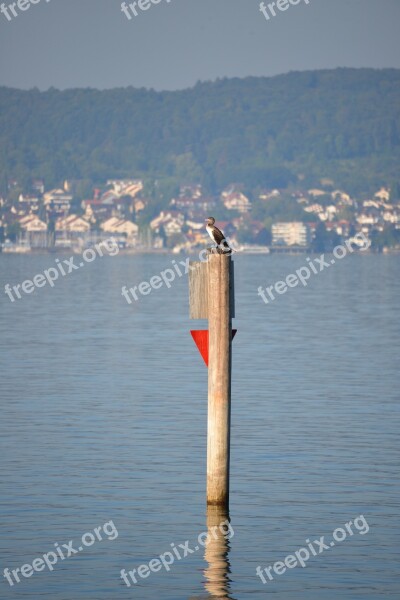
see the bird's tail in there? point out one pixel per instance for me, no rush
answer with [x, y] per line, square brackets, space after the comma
[225, 247]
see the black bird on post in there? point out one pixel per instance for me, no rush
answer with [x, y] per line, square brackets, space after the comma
[217, 237]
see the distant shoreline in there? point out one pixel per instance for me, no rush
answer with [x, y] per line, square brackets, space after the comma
[163, 252]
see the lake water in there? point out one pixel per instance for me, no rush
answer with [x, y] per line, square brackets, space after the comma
[104, 419]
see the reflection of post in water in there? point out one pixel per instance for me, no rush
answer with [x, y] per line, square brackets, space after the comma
[216, 553]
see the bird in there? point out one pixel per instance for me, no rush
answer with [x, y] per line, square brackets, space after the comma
[217, 237]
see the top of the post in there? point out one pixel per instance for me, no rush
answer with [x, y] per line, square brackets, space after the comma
[199, 275]
[217, 251]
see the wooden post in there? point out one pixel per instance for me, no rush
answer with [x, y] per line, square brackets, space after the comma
[211, 295]
[219, 378]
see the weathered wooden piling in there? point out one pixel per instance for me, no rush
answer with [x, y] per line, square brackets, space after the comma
[219, 379]
[212, 297]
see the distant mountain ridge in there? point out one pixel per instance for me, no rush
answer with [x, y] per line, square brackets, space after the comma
[342, 124]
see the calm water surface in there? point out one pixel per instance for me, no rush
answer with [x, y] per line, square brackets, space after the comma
[104, 418]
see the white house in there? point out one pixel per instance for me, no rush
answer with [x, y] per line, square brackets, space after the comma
[28, 199]
[237, 201]
[316, 192]
[72, 223]
[57, 200]
[126, 187]
[109, 197]
[122, 226]
[364, 219]
[371, 204]
[172, 227]
[390, 217]
[383, 194]
[314, 208]
[190, 191]
[269, 195]
[171, 220]
[342, 197]
[196, 225]
[32, 224]
[290, 234]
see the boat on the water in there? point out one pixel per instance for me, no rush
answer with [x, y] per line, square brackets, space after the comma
[252, 249]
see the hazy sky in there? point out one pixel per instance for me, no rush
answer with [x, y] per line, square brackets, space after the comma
[91, 43]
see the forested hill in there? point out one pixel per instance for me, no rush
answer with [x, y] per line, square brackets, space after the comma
[342, 124]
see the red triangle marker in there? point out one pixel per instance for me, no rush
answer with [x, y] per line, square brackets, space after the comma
[200, 337]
